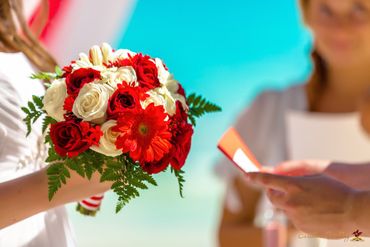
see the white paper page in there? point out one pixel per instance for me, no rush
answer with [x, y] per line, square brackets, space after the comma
[327, 136]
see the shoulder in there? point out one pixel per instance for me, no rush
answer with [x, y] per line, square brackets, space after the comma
[274, 98]
[269, 103]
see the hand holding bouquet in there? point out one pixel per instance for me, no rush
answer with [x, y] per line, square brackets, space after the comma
[119, 113]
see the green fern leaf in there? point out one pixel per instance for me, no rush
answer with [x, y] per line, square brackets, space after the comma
[57, 175]
[198, 106]
[47, 122]
[180, 178]
[38, 102]
[58, 71]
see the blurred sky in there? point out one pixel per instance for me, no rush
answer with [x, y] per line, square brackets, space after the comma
[228, 51]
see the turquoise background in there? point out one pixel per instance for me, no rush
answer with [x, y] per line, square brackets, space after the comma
[228, 51]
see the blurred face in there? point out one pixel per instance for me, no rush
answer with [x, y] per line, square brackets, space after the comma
[341, 29]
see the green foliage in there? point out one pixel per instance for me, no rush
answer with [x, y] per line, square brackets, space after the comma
[46, 122]
[127, 177]
[86, 163]
[47, 76]
[57, 172]
[198, 106]
[52, 155]
[180, 179]
[57, 175]
[34, 111]
[85, 211]
[43, 76]
[58, 72]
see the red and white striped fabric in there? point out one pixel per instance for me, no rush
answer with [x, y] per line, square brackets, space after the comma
[92, 203]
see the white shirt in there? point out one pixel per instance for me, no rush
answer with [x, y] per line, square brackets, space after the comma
[21, 155]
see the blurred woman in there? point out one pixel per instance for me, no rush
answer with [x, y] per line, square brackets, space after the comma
[341, 78]
[27, 218]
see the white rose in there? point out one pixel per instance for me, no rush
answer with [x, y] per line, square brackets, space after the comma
[122, 54]
[162, 96]
[96, 55]
[163, 74]
[54, 99]
[154, 97]
[115, 76]
[91, 102]
[107, 52]
[84, 62]
[166, 78]
[107, 141]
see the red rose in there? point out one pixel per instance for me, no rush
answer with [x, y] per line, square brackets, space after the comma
[125, 98]
[181, 146]
[146, 70]
[181, 139]
[181, 91]
[157, 167]
[78, 78]
[70, 138]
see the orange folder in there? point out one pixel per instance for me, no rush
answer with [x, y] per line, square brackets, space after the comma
[238, 152]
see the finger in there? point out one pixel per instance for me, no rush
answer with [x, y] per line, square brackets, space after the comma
[278, 198]
[296, 168]
[272, 181]
[289, 168]
[267, 169]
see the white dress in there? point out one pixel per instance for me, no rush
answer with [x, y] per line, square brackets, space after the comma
[20, 156]
[266, 127]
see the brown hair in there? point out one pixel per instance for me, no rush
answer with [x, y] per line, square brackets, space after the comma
[15, 36]
[318, 80]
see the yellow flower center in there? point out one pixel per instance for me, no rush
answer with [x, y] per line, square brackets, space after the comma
[143, 129]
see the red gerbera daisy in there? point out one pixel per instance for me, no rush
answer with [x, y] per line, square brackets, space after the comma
[144, 134]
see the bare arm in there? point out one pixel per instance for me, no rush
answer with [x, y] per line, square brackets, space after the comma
[28, 195]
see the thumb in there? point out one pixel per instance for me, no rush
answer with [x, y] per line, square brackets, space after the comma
[271, 181]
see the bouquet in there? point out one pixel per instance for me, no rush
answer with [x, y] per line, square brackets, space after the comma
[119, 113]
